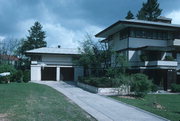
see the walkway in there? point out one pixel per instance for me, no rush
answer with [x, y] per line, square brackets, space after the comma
[102, 108]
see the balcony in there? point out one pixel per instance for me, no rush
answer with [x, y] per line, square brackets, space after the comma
[159, 63]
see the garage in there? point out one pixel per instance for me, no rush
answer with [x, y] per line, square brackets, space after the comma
[67, 73]
[48, 73]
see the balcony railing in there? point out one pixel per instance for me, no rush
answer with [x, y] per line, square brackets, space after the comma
[158, 63]
[175, 42]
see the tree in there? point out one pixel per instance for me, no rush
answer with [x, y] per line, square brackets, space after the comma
[129, 15]
[8, 47]
[35, 39]
[94, 56]
[149, 11]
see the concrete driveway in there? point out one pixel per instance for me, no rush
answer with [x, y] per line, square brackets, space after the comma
[100, 107]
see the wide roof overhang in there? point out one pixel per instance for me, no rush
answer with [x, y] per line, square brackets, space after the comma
[116, 27]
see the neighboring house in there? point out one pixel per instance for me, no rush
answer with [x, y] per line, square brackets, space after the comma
[9, 59]
[54, 64]
[152, 48]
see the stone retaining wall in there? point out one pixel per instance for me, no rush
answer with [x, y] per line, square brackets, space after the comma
[123, 90]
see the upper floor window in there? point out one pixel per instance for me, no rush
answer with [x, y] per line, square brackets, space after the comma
[110, 38]
[149, 34]
[123, 34]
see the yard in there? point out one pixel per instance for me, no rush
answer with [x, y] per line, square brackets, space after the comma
[34, 102]
[167, 106]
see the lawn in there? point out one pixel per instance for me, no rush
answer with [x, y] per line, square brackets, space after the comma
[34, 102]
[167, 106]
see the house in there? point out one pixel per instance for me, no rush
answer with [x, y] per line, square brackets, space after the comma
[152, 48]
[9, 59]
[54, 64]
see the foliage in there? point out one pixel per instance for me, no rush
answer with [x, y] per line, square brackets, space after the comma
[93, 55]
[121, 64]
[154, 88]
[143, 57]
[140, 84]
[7, 68]
[175, 87]
[169, 58]
[122, 79]
[97, 81]
[129, 15]
[149, 11]
[17, 76]
[34, 40]
[26, 76]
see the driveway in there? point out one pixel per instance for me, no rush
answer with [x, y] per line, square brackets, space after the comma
[100, 107]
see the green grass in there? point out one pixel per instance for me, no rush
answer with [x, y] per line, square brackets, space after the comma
[170, 104]
[34, 102]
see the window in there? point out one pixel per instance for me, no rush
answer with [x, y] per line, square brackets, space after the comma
[123, 34]
[110, 38]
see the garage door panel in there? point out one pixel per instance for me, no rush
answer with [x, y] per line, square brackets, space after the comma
[67, 74]
[48, 73]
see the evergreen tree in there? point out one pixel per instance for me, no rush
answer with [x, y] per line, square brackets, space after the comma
[149, 11]
[35, 39]
[129, 15]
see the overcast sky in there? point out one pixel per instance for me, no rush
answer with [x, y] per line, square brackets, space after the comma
[67, 21]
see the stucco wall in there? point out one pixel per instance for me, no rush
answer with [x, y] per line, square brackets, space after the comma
[118, 44]
[140, 42]
[57, 59]
[35, 73]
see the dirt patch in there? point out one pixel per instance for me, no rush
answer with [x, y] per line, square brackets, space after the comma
[158, 106]
[3, 117]
[127, 97]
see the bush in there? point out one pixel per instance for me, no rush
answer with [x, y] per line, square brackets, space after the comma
[18, 76]
[143, 57]
[26, 76]
[154, 88]
[97, 81]
[175, 87]
[140, 84]
[169, 58]
[7, 68]
[122, 79]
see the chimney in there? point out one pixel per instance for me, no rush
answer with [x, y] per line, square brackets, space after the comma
[59, 46]
[164, 19]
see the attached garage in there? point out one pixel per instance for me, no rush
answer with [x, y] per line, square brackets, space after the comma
[67, 73]
[48, 73]
[54, 64]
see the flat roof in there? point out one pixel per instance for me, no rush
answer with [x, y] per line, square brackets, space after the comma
[133, 22]
[58, 51]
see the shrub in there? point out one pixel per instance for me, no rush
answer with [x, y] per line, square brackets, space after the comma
[26, 76]
[122, 79]
[169, 58]
[143, 57]
[97, 81]
[175, 87]
[7, 68]
[140, 84]
[18, 76]
[154, 88]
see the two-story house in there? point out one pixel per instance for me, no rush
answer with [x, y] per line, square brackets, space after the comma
[152, 48]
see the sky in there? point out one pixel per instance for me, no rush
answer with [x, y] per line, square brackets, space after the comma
[66, 22]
